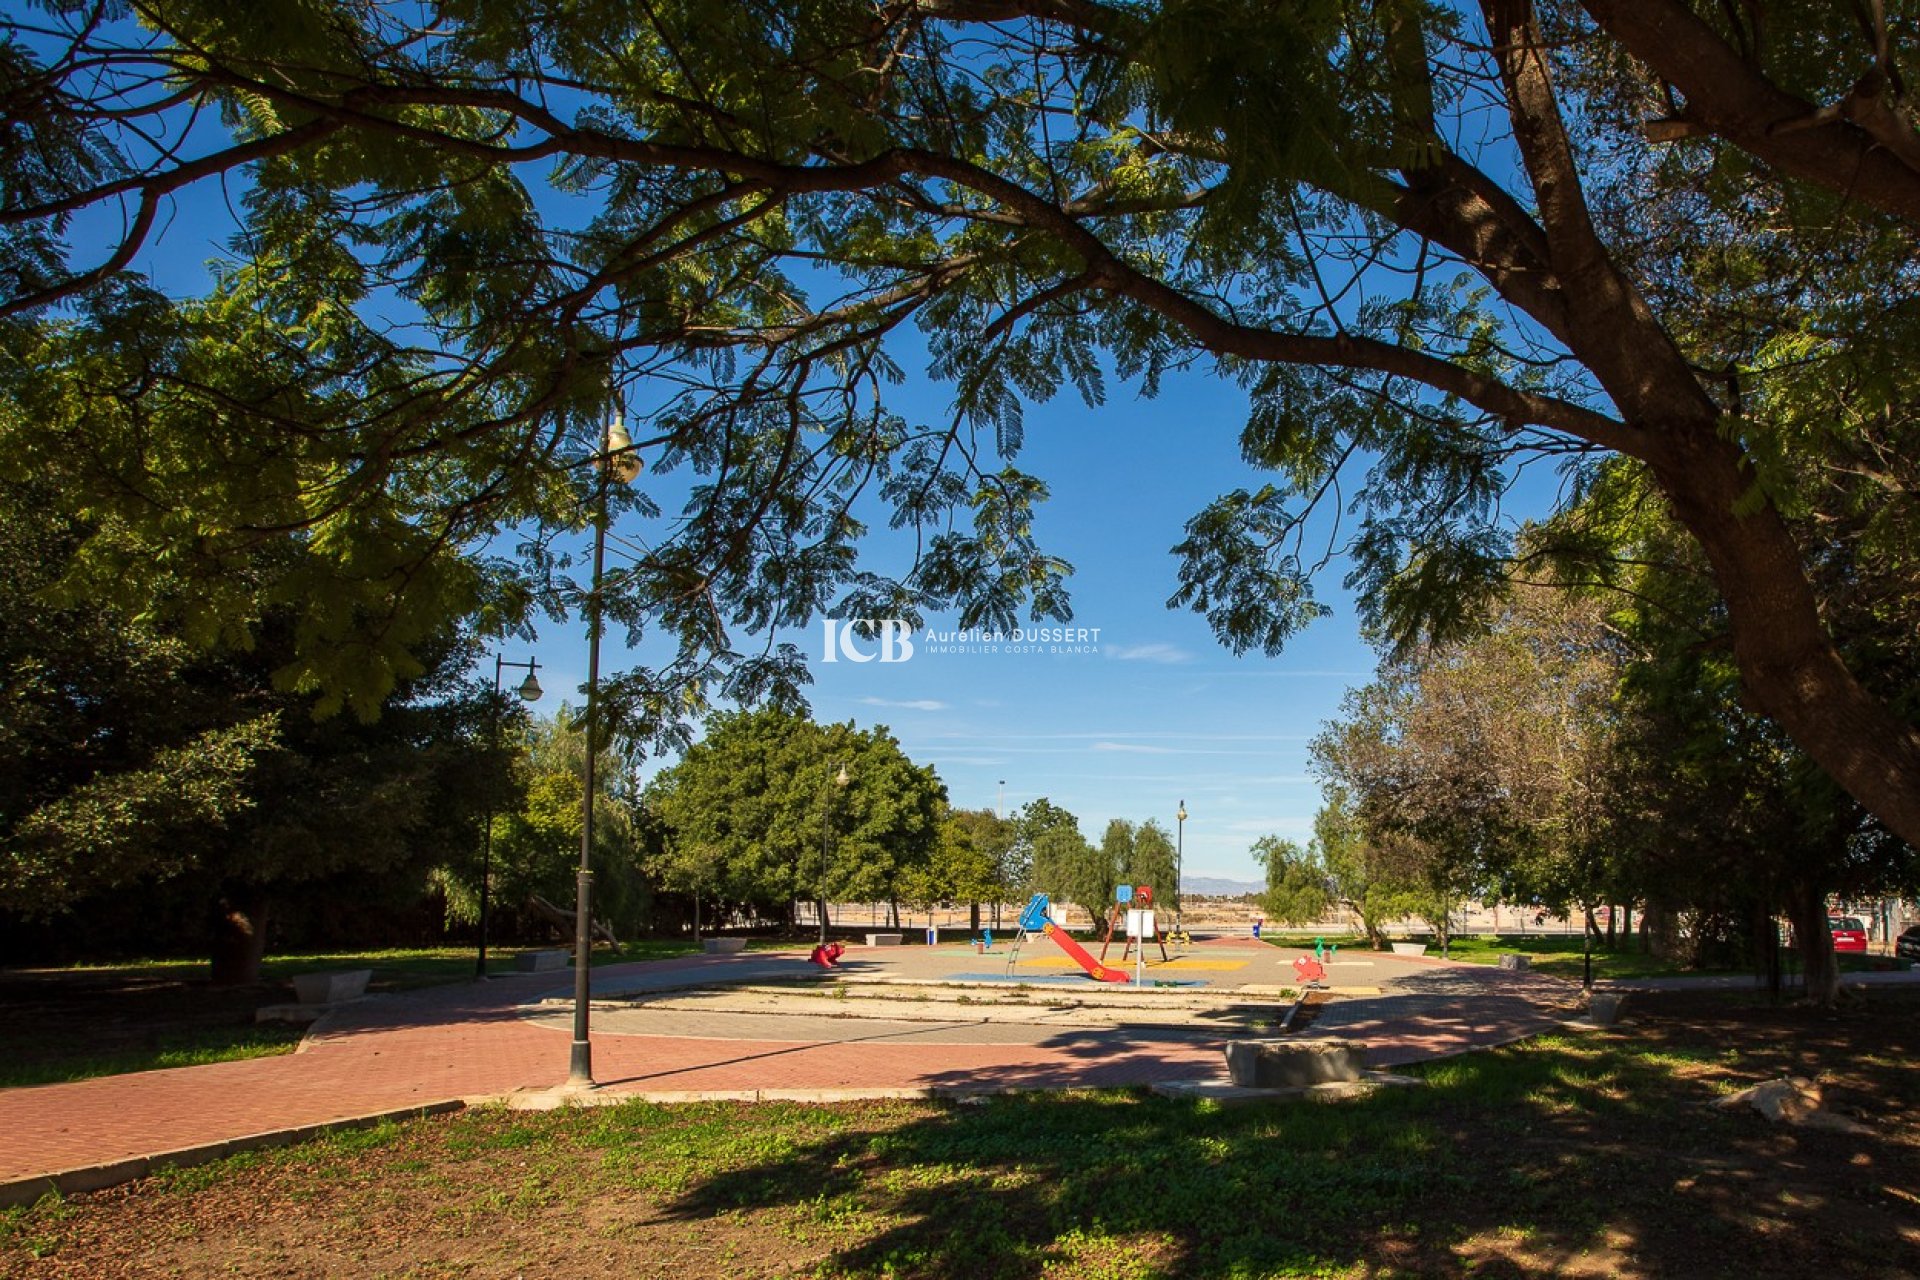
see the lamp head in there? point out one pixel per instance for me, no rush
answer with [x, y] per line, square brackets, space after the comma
[619, 458]
[841, 779]
[1181, 816]
[529, 689]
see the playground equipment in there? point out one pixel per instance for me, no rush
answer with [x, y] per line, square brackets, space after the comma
[1311, 971]
[1034, 919]
[1138, 896]
[827, 954]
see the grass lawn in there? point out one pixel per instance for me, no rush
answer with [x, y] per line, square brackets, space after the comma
[95, 1020]
[1589, 1155]
[1560, 956]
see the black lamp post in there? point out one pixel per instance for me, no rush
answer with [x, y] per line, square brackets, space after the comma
[529, 691]
[839, 780]
[616, 461]
[1179, 861]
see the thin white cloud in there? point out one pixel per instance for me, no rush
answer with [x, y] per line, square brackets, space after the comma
[1135, 747]
[1168, 654]
[911, 704]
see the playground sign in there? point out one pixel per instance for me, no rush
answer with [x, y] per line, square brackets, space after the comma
[1140, 923]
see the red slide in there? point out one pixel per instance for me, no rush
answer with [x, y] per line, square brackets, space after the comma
[1097, 971]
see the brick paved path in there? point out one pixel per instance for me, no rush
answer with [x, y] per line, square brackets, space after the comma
[472, 1040]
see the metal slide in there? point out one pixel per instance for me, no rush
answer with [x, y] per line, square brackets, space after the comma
[1033, 919]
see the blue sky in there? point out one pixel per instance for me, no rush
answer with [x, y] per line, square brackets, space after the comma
[1160, 713]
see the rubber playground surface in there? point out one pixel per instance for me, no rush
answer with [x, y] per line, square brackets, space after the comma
[903, 1020]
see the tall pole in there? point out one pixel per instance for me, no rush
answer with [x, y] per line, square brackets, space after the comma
[616, 460]
[580, 1065]
[1179, 859]
[530, 692]
[840, 780]
[486, 843]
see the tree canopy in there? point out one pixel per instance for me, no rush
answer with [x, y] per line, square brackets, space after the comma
[754, 814]
[1434, 243]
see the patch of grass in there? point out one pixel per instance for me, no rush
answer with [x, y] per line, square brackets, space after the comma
[1560, 956]
[189, 1048]
[1589, 1154]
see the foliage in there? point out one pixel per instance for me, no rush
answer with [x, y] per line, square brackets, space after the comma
[753, 814]
[137, 760]
[536, 836]
[1064, 864]
[1431, 243]
[1296, 881]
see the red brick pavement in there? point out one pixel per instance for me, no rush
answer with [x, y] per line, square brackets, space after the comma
[470, 1041]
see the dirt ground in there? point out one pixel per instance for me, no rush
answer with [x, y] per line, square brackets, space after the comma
[1595, 1155]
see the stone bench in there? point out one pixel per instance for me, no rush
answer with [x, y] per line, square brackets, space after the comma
[1409, 948]
[724, 946]
[1294, 1064]
[886, 939]
[331, 988]
[1509, 960]
[541, 961]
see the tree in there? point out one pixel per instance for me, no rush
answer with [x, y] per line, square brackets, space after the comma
[1296, 881]
[1152, 862]
[536, 841]
[1050, 189]
[134, 758]
[970, 859]
[1359, 875]
[1064, 864]
[756, 804]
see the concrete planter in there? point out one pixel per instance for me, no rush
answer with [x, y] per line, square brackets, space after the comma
[541, 961]
[1409, 948]
[1294, 1064]
[1605, 1007]
[724, 946]
[331, 988]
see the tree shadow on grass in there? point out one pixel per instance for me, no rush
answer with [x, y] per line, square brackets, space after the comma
[1580, 1155]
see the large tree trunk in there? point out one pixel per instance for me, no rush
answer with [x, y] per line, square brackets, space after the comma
[1807, 908]
[1661, 928]
[239, 941]
[1788, 663]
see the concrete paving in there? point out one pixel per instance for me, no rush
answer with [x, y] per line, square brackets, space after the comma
[476, 1041]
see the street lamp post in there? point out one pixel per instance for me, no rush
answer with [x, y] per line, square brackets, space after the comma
[616, 461]
[840, 780]
[1179, 861]
[529, 691]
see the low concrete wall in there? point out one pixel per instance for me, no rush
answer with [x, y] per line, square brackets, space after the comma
[1294, 1064]
[331, 988]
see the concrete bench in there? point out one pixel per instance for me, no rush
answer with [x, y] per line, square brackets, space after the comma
[1409, 948]
[331, 988]
[1509, 960]
[724, 946]
[541, 961]
[886, 939]
[1294, 1064]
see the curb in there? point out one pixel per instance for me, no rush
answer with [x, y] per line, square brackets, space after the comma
[98, 1177]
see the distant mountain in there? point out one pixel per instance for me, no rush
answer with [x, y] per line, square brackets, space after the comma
[1215, 887]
